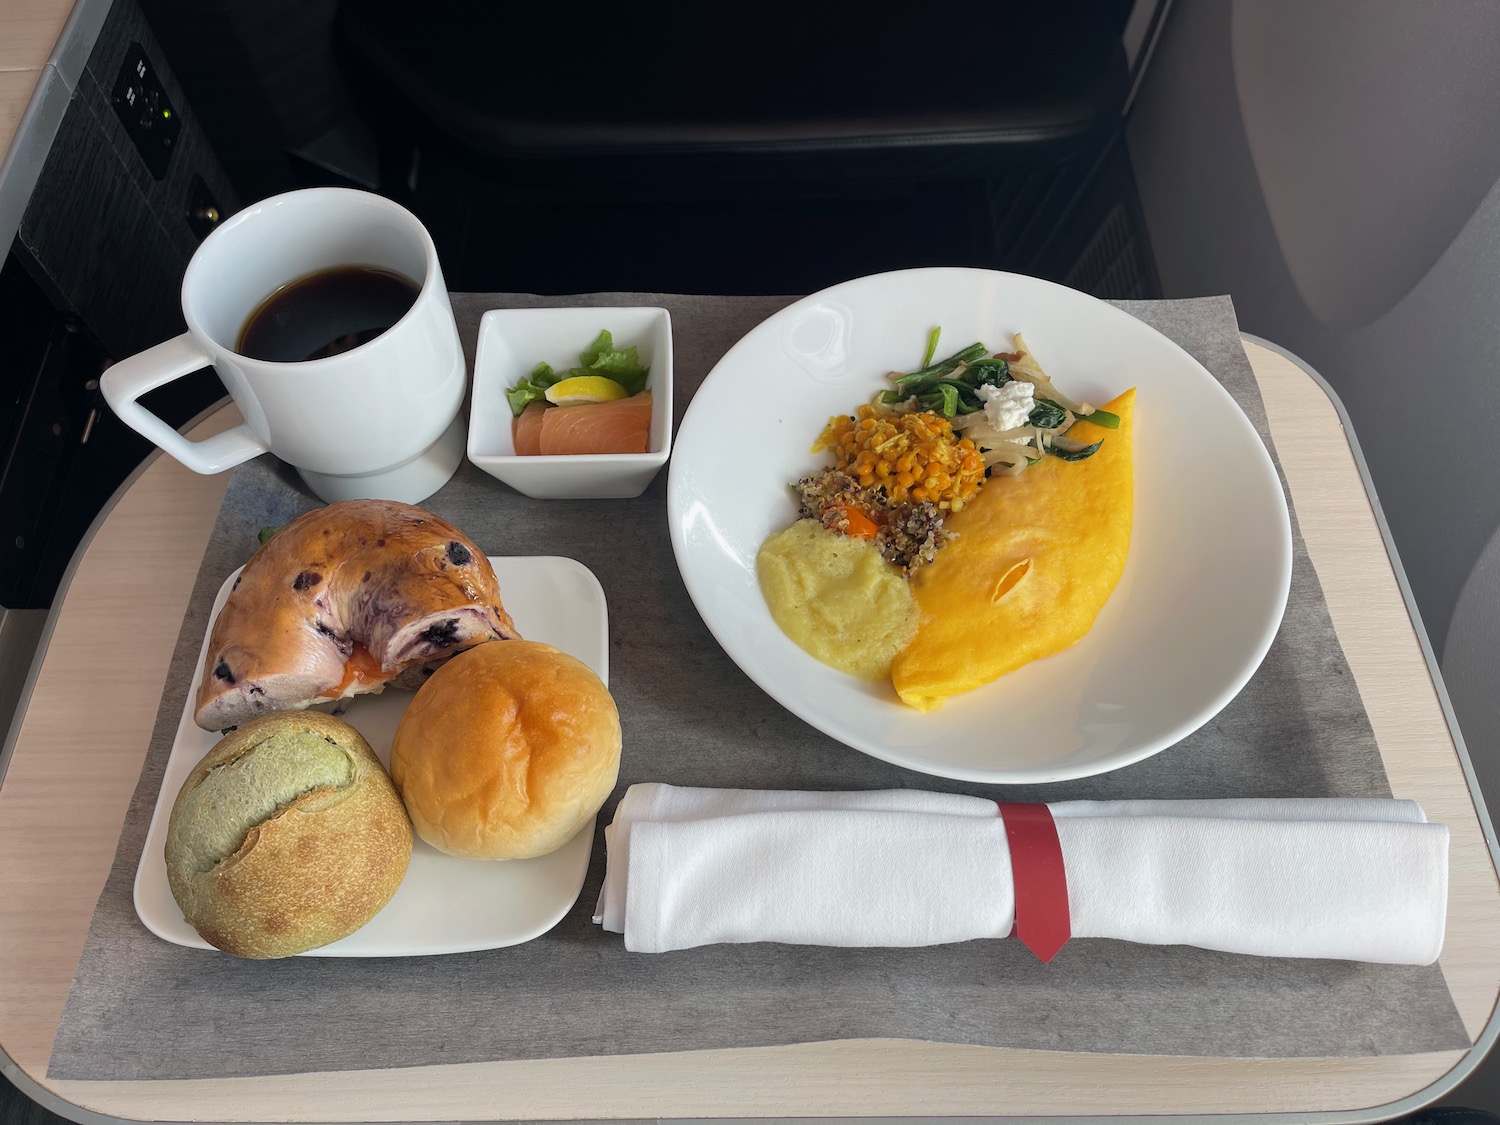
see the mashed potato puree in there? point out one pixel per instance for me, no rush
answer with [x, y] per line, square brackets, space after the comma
[837, 598]
[1034, 560]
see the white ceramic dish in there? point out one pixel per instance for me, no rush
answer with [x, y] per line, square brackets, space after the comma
[445, 904]
[1210, 560]
[511, 343]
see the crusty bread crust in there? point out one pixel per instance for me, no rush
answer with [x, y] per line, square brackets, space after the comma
[317, 869]
[507, 751]
[391, 579]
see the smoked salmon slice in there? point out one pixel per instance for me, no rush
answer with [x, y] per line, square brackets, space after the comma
[528, 430]
[621, 426]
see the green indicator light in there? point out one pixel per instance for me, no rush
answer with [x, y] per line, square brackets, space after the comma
[166, 113]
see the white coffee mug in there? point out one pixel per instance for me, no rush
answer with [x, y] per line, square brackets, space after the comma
[378, 421]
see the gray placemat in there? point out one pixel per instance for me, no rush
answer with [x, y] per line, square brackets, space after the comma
[141, 1008]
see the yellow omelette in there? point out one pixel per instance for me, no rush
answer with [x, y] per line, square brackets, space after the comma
[1035, 558]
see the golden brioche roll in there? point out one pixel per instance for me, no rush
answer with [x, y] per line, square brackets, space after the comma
[507, 751]
[288, 835]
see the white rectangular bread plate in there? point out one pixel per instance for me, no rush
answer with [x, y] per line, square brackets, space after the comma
[445, 904]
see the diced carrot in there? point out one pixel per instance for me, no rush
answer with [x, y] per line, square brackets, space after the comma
[859, 525]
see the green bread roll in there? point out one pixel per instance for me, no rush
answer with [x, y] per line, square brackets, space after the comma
[288, 835]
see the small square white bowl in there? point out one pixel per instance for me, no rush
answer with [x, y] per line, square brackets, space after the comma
[511, 343]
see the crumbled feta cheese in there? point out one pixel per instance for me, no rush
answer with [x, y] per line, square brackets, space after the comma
[1007, 406]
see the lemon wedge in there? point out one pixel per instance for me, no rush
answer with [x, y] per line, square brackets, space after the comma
[584, 388]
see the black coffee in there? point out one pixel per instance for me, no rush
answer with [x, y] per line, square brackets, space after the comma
[326, 313]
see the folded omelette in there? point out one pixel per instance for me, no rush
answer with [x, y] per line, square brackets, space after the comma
[1035, 558]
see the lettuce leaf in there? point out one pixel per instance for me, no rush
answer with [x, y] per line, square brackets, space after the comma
[622, 365]
[601, 357]
[543, 376]
[523, 394]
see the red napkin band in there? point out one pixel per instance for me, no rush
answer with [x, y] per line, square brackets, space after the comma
[1036, 865]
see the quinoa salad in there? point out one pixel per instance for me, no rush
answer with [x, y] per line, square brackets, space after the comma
[907, 535]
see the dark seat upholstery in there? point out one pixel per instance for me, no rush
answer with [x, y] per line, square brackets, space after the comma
[700, 90]
[756, 147]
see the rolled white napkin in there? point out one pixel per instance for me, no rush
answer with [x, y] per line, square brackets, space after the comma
[1355, 879]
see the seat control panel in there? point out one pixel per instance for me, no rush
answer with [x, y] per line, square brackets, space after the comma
[146, 112]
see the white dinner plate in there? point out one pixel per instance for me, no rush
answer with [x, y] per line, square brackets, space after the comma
[1210, 555]
[444, 904]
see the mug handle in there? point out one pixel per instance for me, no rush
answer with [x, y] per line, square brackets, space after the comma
[126, 381]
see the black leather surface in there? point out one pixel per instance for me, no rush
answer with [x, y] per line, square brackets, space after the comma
[517, 82]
